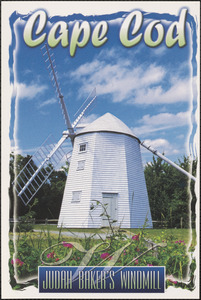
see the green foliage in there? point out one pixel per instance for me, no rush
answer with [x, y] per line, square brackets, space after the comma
[26, 222]
[17, 162]
[168, 192]
[49, 196]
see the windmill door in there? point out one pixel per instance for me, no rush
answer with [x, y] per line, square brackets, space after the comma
[110, 208]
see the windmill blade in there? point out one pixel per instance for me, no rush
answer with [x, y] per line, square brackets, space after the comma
[31, 177]
[91, 96]
[90, 99]
[51, 69]
[168, 161]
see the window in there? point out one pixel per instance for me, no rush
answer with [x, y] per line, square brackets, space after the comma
[83, 147]
[80, 165]
[76, 196]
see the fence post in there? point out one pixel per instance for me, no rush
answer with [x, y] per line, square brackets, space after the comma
[181, 222]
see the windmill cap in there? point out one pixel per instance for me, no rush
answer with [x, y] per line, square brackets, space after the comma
[108, 123]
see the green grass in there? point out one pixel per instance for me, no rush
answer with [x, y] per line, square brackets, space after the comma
[54, 228]
[152, 234]
[174, 234]
[36, 238]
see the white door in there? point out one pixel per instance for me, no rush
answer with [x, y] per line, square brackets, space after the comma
[109, 208]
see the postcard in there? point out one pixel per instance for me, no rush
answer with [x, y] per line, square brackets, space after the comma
[100, 147]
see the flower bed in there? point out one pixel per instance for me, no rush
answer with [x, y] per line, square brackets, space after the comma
[118, 249]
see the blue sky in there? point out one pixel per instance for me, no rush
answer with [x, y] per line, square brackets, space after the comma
[151, 90]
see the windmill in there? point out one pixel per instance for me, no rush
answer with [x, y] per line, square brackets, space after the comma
[106, 167]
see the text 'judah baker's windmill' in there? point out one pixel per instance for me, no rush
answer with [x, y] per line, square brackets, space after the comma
[106, 166]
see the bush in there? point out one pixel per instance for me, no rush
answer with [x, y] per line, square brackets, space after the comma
[25, 226]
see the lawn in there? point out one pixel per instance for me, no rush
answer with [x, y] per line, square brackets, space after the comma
[52, 227]
[152, 234]
[175, 234]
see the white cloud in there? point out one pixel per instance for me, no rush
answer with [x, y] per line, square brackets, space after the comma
[27, 72]
[85, 121]
[181, 137]
[161, 121]
[179, 91]
[135, 84]
[166, 118]
[25, 91]
[159, 51]
[161, 145]
[158, 143]
[88, 119]
[16, 149]
[48, 102]
[120, 80]
[111, 53]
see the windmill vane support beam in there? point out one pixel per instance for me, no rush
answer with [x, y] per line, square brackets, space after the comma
[82, 113]
[155, 152]
[54, 80]
[91, 95]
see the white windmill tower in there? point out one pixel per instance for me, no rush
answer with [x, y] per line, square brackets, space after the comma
[105, 166]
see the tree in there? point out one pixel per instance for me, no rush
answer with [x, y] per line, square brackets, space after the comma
[49, 195]
[17, 163]
[168, 191]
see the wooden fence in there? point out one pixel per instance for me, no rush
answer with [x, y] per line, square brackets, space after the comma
[156, 224]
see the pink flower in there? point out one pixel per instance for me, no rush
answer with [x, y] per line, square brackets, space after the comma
[17, 261]
[179, 242]
[67, 245]
[136, 262]
[50, 255]
[105, 255]
[171, 279]
[136, 237]
[149, 265]
[57, 259]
